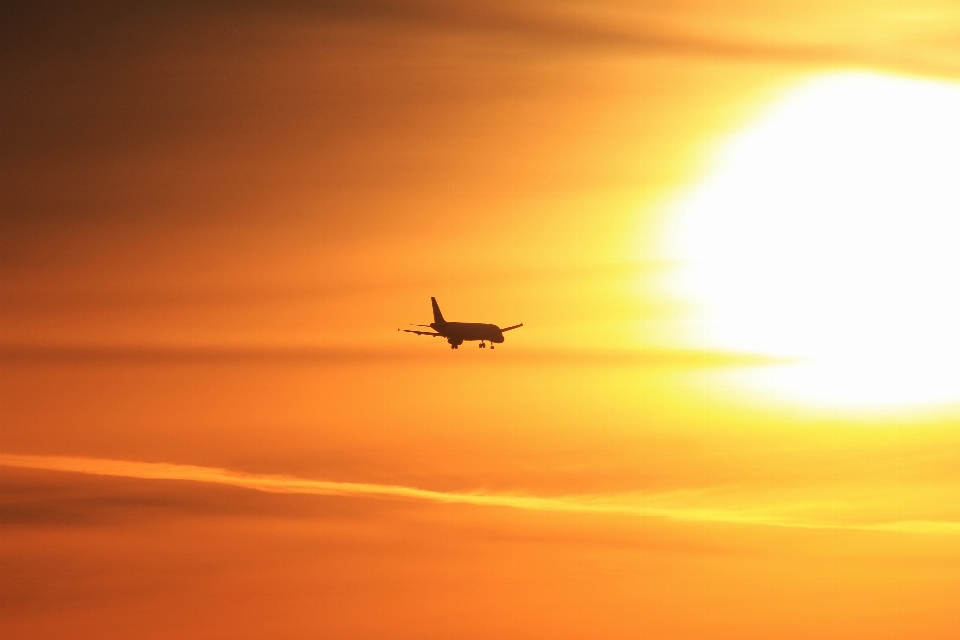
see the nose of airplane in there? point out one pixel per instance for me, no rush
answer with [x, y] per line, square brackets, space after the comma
[497, 338]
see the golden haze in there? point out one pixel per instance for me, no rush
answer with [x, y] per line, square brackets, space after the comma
[215, 217]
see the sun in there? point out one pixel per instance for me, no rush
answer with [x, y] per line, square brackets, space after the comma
[828, 232]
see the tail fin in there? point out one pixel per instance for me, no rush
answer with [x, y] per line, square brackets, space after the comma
[437, 316]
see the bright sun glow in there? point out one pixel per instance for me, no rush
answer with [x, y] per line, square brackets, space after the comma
[829, 231]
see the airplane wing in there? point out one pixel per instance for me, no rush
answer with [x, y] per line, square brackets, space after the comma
[516, 326]
[421, 333]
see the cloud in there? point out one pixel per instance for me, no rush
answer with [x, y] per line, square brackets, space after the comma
[640, 358]
[782, 30]
[779, 30]
[631, 504]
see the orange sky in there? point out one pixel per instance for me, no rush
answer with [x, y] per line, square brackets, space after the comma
[216, 216]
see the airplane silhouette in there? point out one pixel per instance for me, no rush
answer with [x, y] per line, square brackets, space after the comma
[457, 333]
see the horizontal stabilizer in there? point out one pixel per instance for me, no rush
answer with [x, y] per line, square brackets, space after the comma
[421, 333]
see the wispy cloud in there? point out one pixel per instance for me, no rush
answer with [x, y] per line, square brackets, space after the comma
[635, 504]
[644, 358]
[702, 28]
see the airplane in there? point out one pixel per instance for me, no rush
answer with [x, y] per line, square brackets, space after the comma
[457, 333]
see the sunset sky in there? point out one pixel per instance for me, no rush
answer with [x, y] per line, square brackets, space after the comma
[730, 230]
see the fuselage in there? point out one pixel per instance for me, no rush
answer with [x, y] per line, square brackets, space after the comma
[456, 332]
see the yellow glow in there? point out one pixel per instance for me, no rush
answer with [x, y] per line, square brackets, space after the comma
[829, 232]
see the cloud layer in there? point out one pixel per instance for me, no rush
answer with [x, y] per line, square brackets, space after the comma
[625, 504]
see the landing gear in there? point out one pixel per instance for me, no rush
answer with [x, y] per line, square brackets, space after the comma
[454, 344]
[483, 346]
